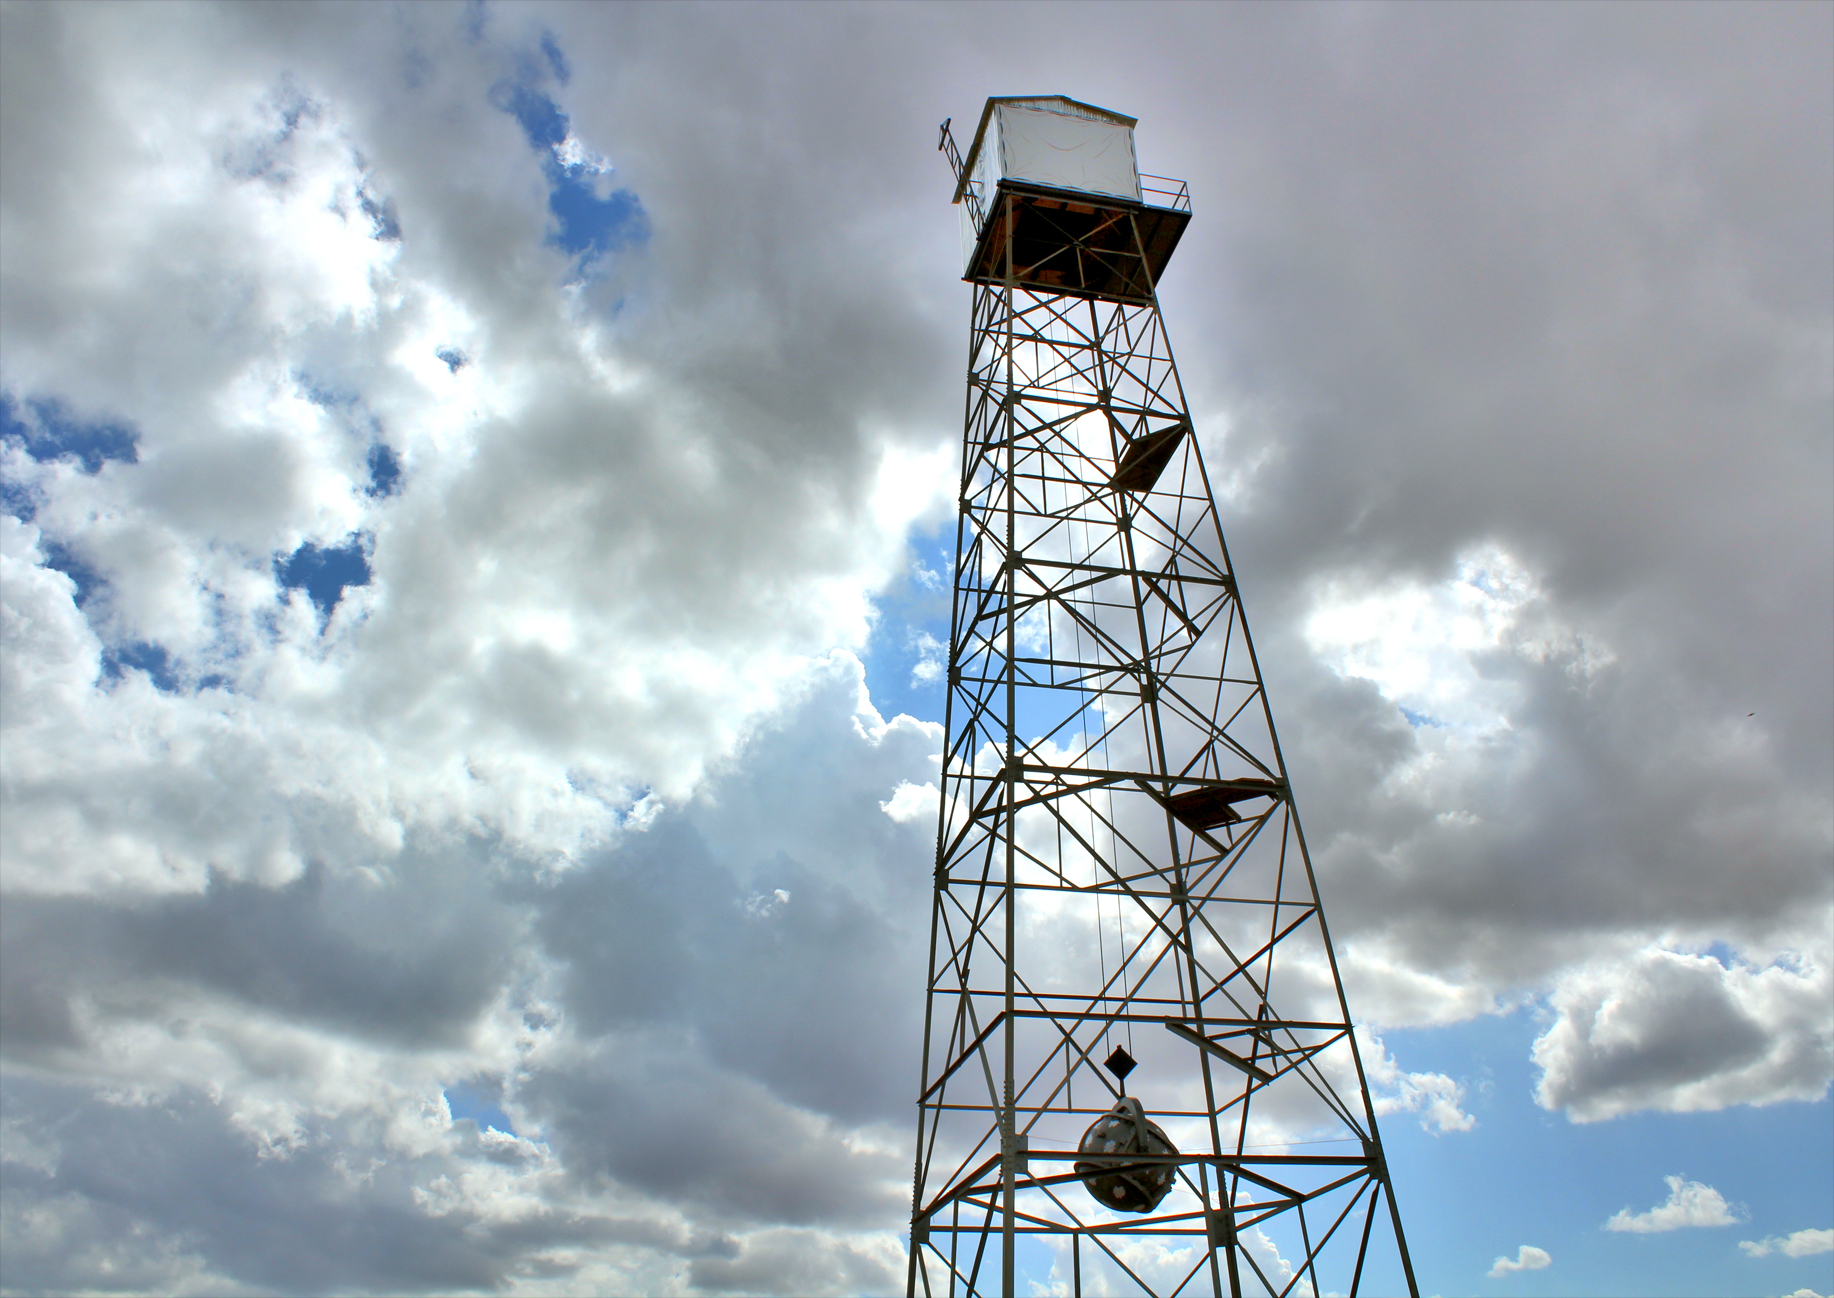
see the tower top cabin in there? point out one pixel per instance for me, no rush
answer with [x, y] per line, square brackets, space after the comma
[1052, 200]
[1053, 142]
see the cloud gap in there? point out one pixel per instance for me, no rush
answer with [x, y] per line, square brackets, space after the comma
[48, 434]
[59, 557]
[324, 572]
[262, 156]
[384, 472]
[142, 656]
[592, 220]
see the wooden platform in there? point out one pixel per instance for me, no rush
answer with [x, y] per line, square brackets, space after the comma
[1081, 244]
[1213, 805]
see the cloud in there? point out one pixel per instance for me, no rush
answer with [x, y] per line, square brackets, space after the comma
[1801, 1243]
[1689, 1203]
[1434, 1096]
[931, 659]
[1273, 1266]
[130, 1174]
[1424, 646]
[800, 1262]
[409, 962]
[642, 1110]
[1668, 1030]
[1527, 1258]
[680, 1075]
[911, 802]
[1448, 701]
[594, 576]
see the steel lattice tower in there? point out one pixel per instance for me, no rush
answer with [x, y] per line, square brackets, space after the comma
[1119, 861]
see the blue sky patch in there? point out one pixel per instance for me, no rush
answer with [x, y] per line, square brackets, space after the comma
[591, 226]
[556, 60]
[385, 226]
[384, 471]
[455, 359]
[1727, 957]
[540, 117]
[51, 435]
[479, 1105]
[143, 656]
[60, 558]
[1772, 1159]
[18, 499]
[319, 394]
[323, 573]
[589, 223]
[261, 158]
[383, 464]
[1418, 719]
[912, 628]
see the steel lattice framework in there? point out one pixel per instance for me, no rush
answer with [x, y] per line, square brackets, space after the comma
[1119, 860]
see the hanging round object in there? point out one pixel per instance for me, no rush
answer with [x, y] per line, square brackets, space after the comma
[1111, 1140]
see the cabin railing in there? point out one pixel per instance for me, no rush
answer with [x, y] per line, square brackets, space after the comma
[1163, 191]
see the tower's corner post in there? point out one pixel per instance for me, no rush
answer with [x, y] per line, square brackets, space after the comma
[1009, 1119]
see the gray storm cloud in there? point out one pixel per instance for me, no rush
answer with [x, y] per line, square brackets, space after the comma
[1509, 333]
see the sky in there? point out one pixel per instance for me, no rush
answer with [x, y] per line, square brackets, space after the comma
[476, 488]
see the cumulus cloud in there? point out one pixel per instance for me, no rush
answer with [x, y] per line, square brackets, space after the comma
[799, 1262]
[1801, 1243]
[1275, 1267]
[931, 654]
[1527, 1258]
[1447, 698]
[671, 1076]
[1689, 1203]
[1434, 1096]
[1670, 1030]
[911, 802]
[586, 588]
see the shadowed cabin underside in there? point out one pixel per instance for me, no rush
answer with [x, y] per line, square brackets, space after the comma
[1076, 244]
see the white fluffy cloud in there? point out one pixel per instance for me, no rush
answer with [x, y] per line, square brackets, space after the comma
[1426, 647]
[685, 1087]
[1689, 1203]
[1800, 1243]
[1527, 1258]
[593, 581]
[1669, 1030]
[1436, 1097]
[911, 803]
[288, 894]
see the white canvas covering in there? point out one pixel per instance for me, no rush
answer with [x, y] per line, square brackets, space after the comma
[1047, 147]
[1054, 141]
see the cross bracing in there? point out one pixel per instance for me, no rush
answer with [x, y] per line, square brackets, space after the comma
[1119, 859]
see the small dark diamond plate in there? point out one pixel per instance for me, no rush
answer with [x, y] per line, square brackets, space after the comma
[1120, 1063]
